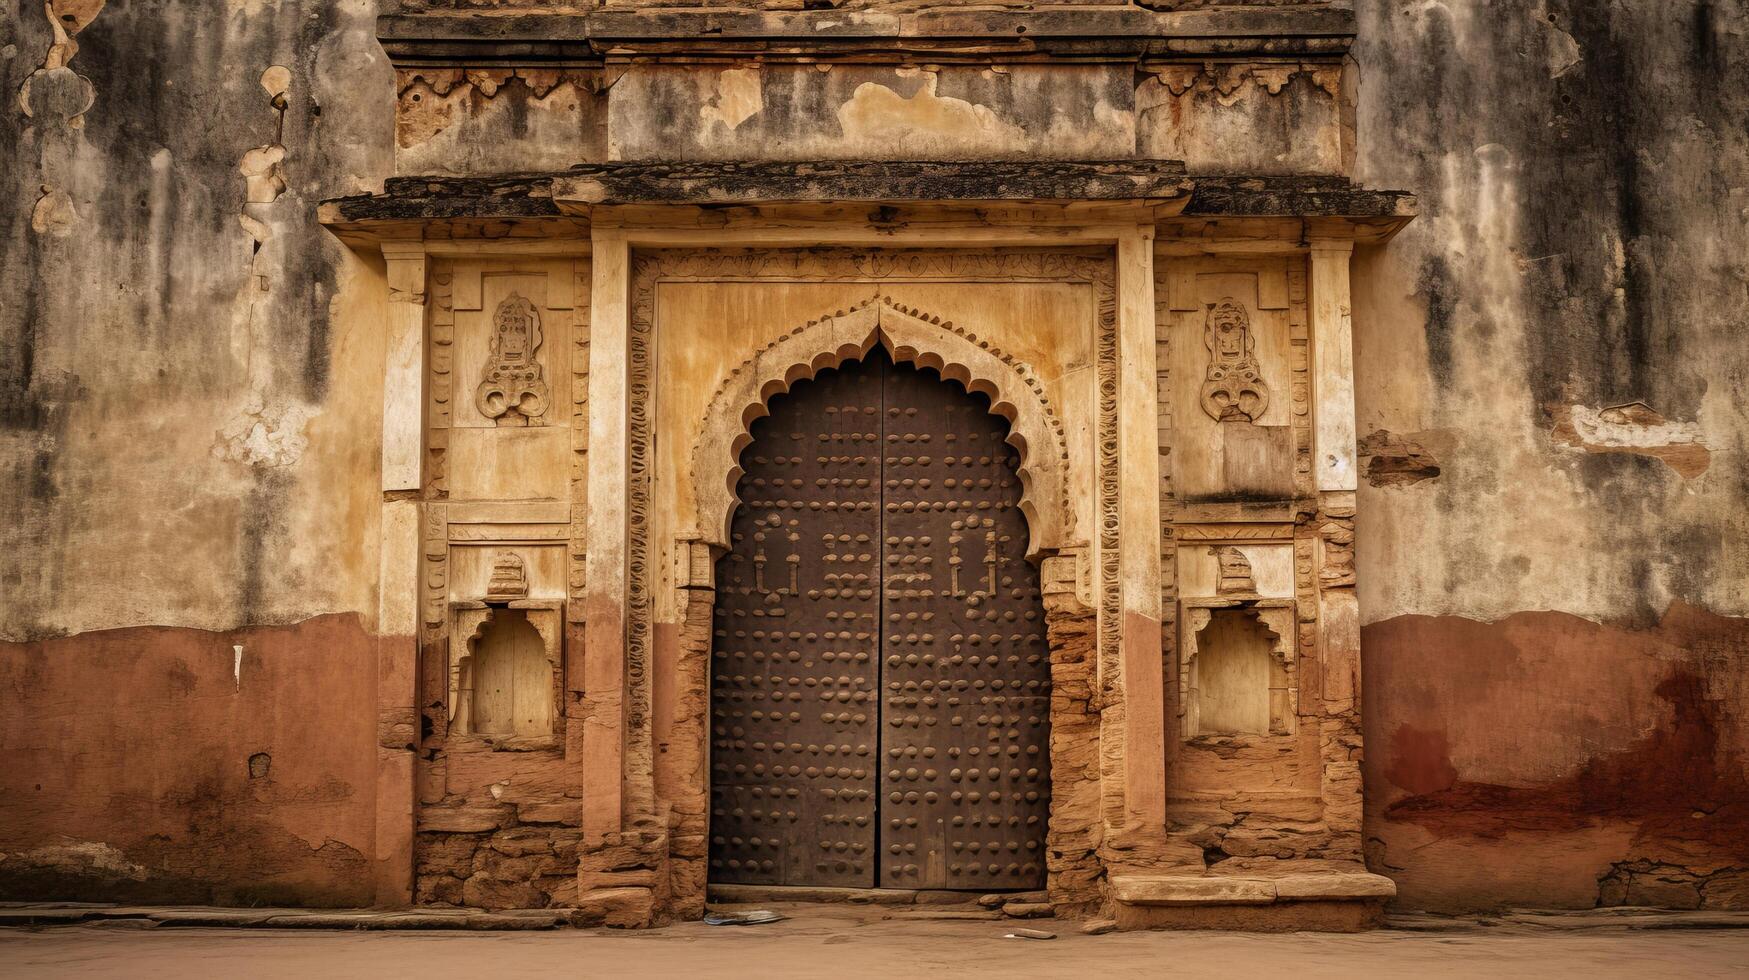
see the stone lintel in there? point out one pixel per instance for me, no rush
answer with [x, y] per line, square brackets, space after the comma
[706, 184]
[871, 181]
[412, 36]
[1251, 889]
[1245, 195]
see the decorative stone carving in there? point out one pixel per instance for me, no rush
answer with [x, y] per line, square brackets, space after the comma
[509, 577]
[1235, 572]
[512, 390]
[1233, 389]
[909, 335]
[1070, 577]
[1228, 84]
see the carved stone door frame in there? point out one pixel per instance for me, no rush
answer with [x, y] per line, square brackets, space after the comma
[1129, 797]
[1124, 625]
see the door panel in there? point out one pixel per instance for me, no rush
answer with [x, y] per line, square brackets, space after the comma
[793, 671]
[965, 677]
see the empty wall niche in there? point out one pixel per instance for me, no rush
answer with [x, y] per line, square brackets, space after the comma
[1235, 677]
[513, 686]
[1233, 674]
[505, 673]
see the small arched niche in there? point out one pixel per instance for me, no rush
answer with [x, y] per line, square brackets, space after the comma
[512, 683]
[505, 673]
[1236, 676]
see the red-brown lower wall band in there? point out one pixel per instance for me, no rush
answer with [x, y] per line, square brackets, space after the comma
[162, 764]
[1538, 760]
[1547, 760]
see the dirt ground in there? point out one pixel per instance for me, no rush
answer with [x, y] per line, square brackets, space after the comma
[855, 942]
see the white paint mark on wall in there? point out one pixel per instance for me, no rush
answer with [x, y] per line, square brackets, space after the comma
[237, 665]
[1634, 425]
[79, 857]
[1634, 428]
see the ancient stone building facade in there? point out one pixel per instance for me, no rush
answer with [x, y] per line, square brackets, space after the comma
[1223, 464]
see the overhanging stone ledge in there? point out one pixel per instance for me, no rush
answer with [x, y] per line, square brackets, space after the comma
[411, 33]
[574, 191]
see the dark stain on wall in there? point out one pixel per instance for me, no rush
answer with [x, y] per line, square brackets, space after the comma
[151, 291]
[1605, 123]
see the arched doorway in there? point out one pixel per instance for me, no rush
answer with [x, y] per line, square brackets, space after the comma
[880, 680]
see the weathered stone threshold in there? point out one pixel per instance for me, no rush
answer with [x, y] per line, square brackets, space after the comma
[1249, 890]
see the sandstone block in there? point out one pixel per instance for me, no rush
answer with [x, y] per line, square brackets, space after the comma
[462, 819]
[486, 892]
[1337, 884]
[446, 854]
[638, 878]
[518, 841]
[566, 812]
[623, 908]
[1191, 890]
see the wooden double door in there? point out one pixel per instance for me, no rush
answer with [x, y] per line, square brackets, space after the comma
[880, 681]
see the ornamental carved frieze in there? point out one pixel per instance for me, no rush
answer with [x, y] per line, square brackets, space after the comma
[1233, 389]
[512, 390]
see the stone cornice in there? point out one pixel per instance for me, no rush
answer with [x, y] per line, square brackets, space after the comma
[575, 190]
[944, 34]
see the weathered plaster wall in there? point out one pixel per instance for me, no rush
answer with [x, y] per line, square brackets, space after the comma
[1551, 376]
[1551, 397]
[188, 444]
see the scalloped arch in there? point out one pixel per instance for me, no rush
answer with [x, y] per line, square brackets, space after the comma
[1015, 394]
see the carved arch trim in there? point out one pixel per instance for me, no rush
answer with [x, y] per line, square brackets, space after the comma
[909, 335]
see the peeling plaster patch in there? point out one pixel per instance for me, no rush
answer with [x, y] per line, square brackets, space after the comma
[260, 166]
[877, 114]
[740, 96]
[260, 170]
[1393, 460]
[1633, 428]
[1564, 54]
[55, 92]
[74, 857]
[277, 81]
[267, 437]
[54, 213]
